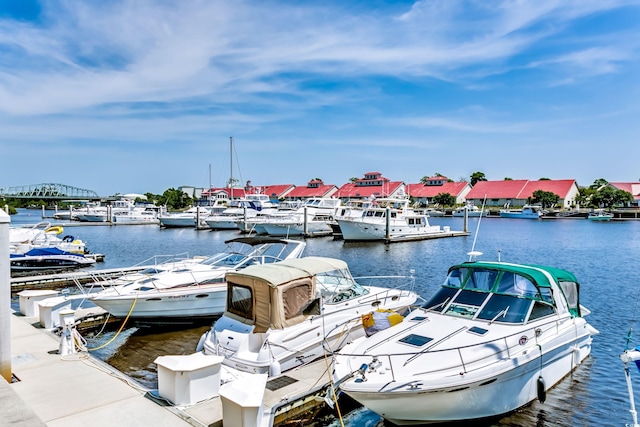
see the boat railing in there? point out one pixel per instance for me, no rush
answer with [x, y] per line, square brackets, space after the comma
[461, 359]
[405, 284]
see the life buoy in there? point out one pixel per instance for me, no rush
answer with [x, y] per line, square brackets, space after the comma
[68, 238]
[54, 229]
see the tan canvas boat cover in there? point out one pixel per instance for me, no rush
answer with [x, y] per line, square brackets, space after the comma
[282, 291]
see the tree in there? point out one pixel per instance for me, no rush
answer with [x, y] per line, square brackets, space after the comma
[544, 179]
[477, 176]
[599, 183]
[506, 178]
[546, 199]
[444, 199]
[609, 196]
[175, 199]
[354, 179]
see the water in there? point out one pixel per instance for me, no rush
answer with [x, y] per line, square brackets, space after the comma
[602, 255]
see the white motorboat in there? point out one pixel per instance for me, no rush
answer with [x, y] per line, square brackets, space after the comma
[526, 212]
[313, 217]
[192, 290]
[249, 207]
[43, 235]
[253, 224]
[284, 315]
[470, 210]
[188, 218]
[495, 337]
[388, 218]
[47, 259]
[137, 216]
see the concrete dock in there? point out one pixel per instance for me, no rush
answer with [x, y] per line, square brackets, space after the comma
[79, 390]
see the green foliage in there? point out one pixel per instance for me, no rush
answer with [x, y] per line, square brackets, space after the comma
[544, 179]
[174, 199]
[506, 178]
[354, 179]
[444, 199]
[477, 176]
[599, 183]
[609, 196]
[546, 199]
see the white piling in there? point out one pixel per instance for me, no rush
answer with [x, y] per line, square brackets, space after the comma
[67, 321]
[5, 298]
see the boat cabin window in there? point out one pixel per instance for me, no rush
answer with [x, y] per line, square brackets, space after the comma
[505, 308]
[481, 280]
[455, 278]
[295, 300]
[440, 299]
[338, 286]
[514, 284]
[240, 300]
[570, 291]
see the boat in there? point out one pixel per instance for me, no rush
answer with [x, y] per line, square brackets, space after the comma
[387, 218]
[526, 212]
[43, 235]
[433, 212]
[253, 224]
[492, 339]
[469, 210]
[599, 215]
[313, 217]
[47, 259]
[138, 215]
[284, 315]
[248, 207]
[190, 291]
[188, 218]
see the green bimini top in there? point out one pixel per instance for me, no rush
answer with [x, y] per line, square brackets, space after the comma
[534, 272]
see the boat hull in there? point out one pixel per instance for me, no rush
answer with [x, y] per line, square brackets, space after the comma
[356, 229]
[498, 389]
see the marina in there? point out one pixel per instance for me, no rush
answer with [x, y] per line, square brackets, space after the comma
[594, 394]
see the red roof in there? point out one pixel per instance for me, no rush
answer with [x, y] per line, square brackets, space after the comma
[518, 189]
[326, 190]
[421, 190]
[631, 187]
[351, 190]
[277, 191]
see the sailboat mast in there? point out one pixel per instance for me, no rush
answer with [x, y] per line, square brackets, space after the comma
[231, 166]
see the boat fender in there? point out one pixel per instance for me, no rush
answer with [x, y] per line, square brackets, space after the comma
[274, 368]
[200, 345]
[68, 238]
[542, 391]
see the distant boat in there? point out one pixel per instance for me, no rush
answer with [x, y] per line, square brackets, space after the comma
[527, 212]
[48, 259]
[472, 211]
[599, 215]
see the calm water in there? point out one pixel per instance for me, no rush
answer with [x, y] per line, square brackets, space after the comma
[603, 256]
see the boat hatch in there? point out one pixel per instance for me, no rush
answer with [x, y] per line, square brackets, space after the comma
[415, 340]
[477, 330]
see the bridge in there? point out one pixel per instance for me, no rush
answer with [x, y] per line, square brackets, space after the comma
[48, 192]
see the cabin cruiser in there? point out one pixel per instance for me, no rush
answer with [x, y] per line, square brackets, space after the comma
[281, 316]
[493, 338]
[248, 207]
[313, 217]
[526, 212]
[190, 291]
[255, 224]
[469, 210]
[388, 218]
[188, 218]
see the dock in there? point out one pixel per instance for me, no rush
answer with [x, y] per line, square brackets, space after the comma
[410, 238]
[78, 390]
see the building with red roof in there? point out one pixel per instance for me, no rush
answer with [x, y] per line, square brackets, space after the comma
[424, 193]
[630, 187]
[520, 192]
[314, 188]
[372, 185]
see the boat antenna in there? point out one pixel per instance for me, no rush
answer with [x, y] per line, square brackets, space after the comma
[474, 254]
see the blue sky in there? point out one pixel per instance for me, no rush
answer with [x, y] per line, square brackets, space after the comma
[122, 96]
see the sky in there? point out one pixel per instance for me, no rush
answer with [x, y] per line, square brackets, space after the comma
[143, 96]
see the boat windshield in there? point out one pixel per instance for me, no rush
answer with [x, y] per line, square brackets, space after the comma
[492, 295]
[337, 286]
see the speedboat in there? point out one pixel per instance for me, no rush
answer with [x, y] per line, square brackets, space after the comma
[281, 316]
[599, 215]
[43, 235]
[493, 338]
[47, 259]
[387, 219]
[527, 212]
[190, 291]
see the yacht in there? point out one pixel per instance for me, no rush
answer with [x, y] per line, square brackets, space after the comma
[313, 217]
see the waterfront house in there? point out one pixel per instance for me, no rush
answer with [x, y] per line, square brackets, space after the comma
[519, 192]
[424, 193]
[314, 188]
[372, 185]
[630, 187]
